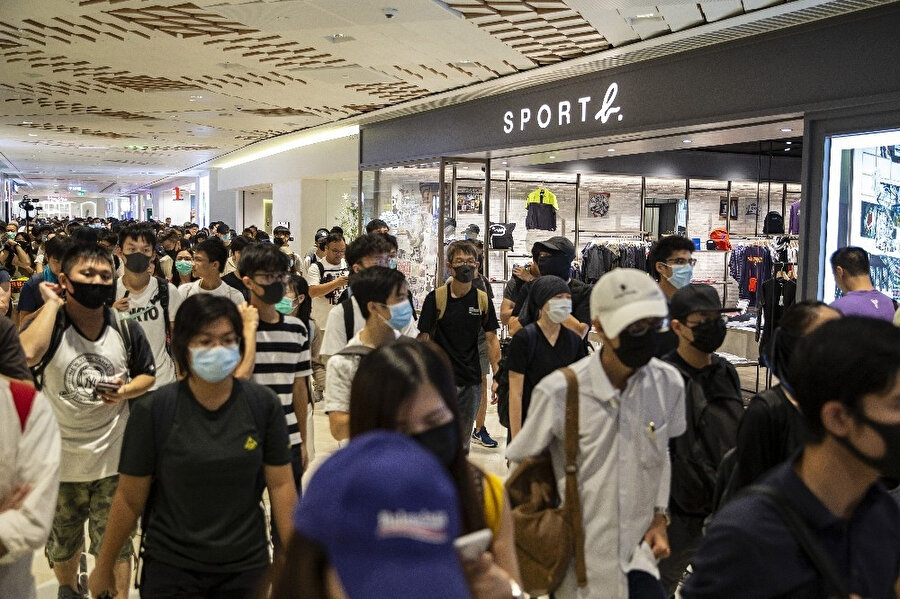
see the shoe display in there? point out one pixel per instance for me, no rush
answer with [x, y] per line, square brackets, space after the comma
[483, 438]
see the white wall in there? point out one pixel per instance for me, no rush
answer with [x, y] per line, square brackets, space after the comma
[223, 205]
[250, 207]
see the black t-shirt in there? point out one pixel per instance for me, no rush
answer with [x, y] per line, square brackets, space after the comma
[232, 280]
[719, 380]
[12, 358]
[209, 479]
[457, 332]
[547, 358]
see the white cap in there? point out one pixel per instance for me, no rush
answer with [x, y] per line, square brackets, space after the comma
[624, 296]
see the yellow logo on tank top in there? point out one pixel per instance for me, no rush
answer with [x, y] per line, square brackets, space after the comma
[250, 444]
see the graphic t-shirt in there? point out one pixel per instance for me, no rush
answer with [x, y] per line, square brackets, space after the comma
[871, 304]
[146, 309]
[319, 274]
[92, 431]
[193, 288]
[282, 355]
[207, 514]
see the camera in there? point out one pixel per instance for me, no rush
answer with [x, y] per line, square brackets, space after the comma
[26, 205]
[389, 13]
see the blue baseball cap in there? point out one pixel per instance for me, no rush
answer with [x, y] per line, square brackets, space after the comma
[387, 513]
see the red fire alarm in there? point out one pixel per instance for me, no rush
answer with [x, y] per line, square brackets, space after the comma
[177, 194]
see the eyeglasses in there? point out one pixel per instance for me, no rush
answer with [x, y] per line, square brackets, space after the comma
[466, 263]
[338, 252]
[642, 327]
[681, 261]
[270, 277]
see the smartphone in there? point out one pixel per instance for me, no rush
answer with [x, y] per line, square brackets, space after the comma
[107, 386]
[472, 545]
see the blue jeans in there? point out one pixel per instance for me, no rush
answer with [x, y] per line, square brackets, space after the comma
[468, 399]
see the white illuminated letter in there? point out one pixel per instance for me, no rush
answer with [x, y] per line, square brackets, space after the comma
[547, 114]
[524, 117]
[607, 109]
[584, 102]
[508, 121]
[565, 108]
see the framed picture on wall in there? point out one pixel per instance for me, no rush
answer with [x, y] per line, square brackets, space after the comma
[723, 208]
[598, 203]
[469, 200]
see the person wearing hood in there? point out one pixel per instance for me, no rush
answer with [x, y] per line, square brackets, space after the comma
[697, 319]
[541, 347]
[554, 257]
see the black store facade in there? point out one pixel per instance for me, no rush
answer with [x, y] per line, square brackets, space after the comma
[687, 143]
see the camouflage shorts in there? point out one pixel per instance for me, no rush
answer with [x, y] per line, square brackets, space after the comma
[76, 503]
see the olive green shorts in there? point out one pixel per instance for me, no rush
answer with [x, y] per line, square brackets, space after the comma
[76, 503]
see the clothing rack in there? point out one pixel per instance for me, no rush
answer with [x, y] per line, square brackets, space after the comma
[610, 234]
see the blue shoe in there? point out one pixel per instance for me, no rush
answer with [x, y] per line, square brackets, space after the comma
[483, 438]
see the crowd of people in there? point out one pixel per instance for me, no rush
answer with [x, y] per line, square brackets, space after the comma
[163, 379]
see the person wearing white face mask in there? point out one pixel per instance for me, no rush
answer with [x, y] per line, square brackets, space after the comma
[204, 448]
[541, 347]
[381, 294]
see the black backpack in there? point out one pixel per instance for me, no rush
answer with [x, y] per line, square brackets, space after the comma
[773, 224]
[502, 376]
[711, 431]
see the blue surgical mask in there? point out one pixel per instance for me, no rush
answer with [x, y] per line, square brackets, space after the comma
[49, 276]
[681, 275]
[401, 315]
[214, 364]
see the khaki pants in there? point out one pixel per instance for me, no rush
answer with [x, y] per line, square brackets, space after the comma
[318, 364]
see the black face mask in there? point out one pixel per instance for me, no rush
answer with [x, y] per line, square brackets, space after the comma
[636, 351]
[464, 273]
[889, 464]
[90, 295]
[556, 264]
[137, 262]
[272, 293]
[709, 336]
[442, 441]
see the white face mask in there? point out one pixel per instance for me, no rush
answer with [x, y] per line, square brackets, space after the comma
[559, 309]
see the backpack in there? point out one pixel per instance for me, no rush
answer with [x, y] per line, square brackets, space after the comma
[162, 296]
[720, 237]
[502, 376]
[697, 453]
[120, 323]
[441, 295]
[501, 235]
[773, 224]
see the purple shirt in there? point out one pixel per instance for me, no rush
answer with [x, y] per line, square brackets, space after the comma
[871, 304]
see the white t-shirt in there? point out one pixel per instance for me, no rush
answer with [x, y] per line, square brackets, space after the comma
[145, 308]
[340, 371]
[335, 338]
[193, 288]
[322, 305]
[92, 431]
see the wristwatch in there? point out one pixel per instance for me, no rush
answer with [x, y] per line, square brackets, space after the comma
[515, 588]
[664, 511]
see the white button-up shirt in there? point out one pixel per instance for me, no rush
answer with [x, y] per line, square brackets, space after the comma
[623, 462]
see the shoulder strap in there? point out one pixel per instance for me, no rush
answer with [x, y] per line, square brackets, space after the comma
[805, 538]
[355, 350]
[163, 295]
[258, 409]
[321, 270]
[59, 327]
[349, 318]
[23, 398]
[122, 326]
[440, 300]
[573, 501]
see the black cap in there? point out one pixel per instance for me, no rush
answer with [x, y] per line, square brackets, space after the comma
[555, 244]
[321, 234]
[695, 298]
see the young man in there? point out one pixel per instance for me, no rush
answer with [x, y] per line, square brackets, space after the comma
[317, 253]
[671, 263]
[170, 241]
[376, 225]
[233, 278]
[696, 318]
[381, 294]
[29, 482]
[630, 406]
[282, 240]
[847, 384]
[282, 344]
[146, 299]
[554, 257]
[89, 362]
[363, 252]
[455, 326]
[30, 298]
[327, 281]
[852, 274]
[209, 264]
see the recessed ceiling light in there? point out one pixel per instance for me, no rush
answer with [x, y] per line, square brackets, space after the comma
[32, 135]
[786, 129]
[27, 122]
[505, 162]
[686, 141]
[339, 38]
[787, 149]
[788, 142]
[610, 149]
[552, 156]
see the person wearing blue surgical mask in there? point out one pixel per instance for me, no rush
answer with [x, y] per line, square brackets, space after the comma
[224, 441]
[381, 293]
[671, 263]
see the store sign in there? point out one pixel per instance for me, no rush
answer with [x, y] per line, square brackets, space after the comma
[563, 113]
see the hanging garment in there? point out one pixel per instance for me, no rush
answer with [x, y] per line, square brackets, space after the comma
[794, 223]
[542, 207]
[756, 269]
[777, 295]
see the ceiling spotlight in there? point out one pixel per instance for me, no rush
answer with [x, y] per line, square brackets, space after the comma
[788, 142]
[32, 135]
[610, 149]
[27, 122]
[787, 149]
[505, 162]
[552, 156]
[786, 129]
[686, 141]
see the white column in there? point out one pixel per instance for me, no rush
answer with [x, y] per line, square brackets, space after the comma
[224, 205]
[286, 205]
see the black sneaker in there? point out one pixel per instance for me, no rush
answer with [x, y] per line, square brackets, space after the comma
[67, 592]
[483, 438]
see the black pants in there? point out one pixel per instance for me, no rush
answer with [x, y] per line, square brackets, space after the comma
[161, 581]
[297, 470]
[642, 585]
[685, 534]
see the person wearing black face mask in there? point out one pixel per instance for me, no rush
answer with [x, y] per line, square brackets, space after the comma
[846, 376]
[630, 406]
[710, 380]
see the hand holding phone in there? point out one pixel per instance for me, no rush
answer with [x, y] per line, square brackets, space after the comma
[470, 547]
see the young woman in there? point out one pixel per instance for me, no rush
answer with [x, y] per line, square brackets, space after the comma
[184, 266]
[201, 451]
